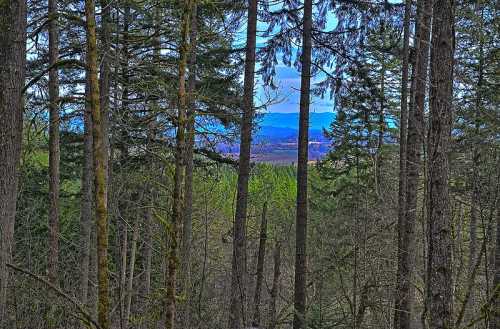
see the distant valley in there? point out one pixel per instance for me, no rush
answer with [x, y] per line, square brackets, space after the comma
[275, 139]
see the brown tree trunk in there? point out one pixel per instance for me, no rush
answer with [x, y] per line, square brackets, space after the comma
[12, 75]
[476, 158]
[495, 299]
[238, 294]
[299, 318]
[275, 286]
[260, 266]
[100, 158]
[178, 205]
[123, 270]
[440, 244]
[104, 80]
[403, 122]
[188, 185]
[54, 151]
[130, 283]
[86, 201]
[415, 138]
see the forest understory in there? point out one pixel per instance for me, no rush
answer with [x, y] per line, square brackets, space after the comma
[119, 208]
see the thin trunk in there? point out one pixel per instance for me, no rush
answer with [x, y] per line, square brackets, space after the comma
[363, 305]
[403, 122]
[299, 318]
[260, 266]
[99, 169]
[123, 272]
[12, 75]
[54, 151]
[148, 250]
[188, 185]
[440, 243]
[178, 205]
[495, 298]
[86, 201]
[381, 132]
[123, 146]
[130, 283]
[476, 158]
[275, 287]
[415, 139]
[93, 286]
[238, 294]
[105, 81]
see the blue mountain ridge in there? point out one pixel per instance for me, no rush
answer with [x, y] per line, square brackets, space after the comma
[284, 126]
[276, 134]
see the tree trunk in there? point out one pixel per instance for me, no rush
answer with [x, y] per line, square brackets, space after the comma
[238, 294]
[275, 287]
[476, 158]
[54, 151]
[105, 81]
[123, 270]
[86, 201]
[440, 244]
[414, 146]
[299, 320]
[12, 75]
[178, 205]
[100, 158]
[495, 299]
[260, 266]
[188, 185]
[130, 283]
[403, 122]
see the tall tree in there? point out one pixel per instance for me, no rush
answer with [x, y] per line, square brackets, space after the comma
[413, 154]
[260, 266]
[403, 122]
[440, 244]
[187, 225]
[238, 294]
[86, 199]
[12, 75]
[179, 175]
[299, 317]
[54, 150]
[495, 298]
[105, 79]
[100, 181]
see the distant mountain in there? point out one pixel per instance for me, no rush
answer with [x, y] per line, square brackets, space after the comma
[317, 120]
[278, 127]
[276, 134]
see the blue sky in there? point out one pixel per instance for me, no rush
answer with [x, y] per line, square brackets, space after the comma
[287, 79]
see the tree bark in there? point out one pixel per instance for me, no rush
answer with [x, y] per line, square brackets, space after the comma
[403, 122]
[86, 201]
[275, 286]
[123, 270]
[179, 175]
[440, 244]
[187, 230]
[100, 166]
[260, 266]
[299, 318]
[495, 316]
[414, 146]
[238, 294]
[54, 151]
[105, 81]
[130, 283]
[12, 75]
